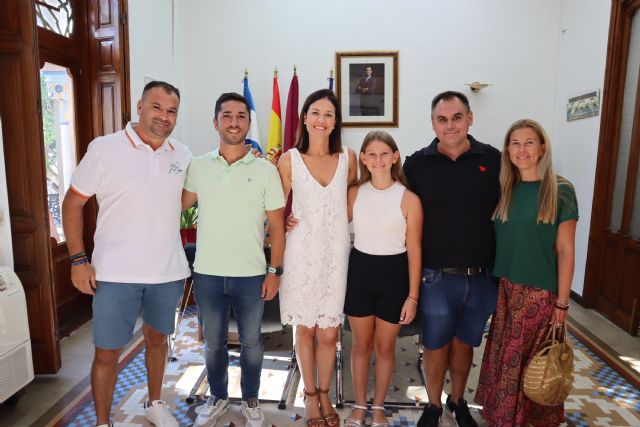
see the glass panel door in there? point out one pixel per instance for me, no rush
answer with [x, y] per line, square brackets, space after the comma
[626, 125]
[59, 124]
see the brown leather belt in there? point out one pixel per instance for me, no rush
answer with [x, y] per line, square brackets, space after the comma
[467, 271]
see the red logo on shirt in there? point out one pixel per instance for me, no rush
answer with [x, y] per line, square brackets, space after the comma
[482, 168]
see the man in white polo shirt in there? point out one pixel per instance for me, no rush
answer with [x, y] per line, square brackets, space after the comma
[138, 263]
[236, 192]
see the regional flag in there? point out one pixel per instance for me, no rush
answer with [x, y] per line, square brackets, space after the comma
[253, 137]
[292, 118]
[291, 126]
[274, 141]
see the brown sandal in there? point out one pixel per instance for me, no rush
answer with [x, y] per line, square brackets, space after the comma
[317, 421]
[331, 420]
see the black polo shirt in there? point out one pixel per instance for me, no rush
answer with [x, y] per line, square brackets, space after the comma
[458, 198]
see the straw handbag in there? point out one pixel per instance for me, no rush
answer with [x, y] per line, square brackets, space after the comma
[548, 377]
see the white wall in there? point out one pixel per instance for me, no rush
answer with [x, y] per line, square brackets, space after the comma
[156, 36]
[6, 250]
[581, 63]
[442, 44]
[518, 46]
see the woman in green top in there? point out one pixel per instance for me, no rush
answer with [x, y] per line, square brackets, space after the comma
[535, 226]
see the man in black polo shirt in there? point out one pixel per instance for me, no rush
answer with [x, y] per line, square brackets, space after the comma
[456, 177]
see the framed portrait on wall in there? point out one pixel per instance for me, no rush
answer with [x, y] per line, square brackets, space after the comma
[367, 87]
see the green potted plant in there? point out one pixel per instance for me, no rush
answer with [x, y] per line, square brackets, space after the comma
[188, 224]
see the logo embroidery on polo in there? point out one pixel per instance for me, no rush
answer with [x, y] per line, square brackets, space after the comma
[482, 168]
[175, 168]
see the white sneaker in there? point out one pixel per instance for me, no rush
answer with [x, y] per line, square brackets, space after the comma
[159, 415]
[211, 411]
[251, 410]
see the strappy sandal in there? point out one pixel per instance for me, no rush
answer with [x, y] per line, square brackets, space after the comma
[353, 422]
[374, 424]
[331, 420]
[316, 421]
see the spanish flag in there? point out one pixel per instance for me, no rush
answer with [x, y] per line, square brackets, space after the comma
[274, 140]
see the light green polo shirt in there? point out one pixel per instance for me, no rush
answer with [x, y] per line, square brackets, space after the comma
[232, 204]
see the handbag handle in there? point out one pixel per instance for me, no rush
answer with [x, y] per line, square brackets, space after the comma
[551, 332]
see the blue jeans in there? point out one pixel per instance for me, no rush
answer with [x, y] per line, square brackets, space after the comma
[215, 295]
[455, 305]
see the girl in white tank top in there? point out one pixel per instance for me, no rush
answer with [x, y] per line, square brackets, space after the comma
[384, 268]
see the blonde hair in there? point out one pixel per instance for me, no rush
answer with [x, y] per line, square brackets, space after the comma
[510, 176]
[396, 168]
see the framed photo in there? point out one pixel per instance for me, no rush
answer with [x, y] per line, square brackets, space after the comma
[367, 87]
[584, 105]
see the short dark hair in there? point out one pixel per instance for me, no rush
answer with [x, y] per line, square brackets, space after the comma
[302, 136]
[231, 96]
[449, 95]
[168, 87]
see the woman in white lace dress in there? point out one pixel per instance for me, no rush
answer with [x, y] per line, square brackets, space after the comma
[313, 286]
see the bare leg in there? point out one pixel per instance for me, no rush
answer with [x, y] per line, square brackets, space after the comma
[384, 343]
[155, 360]
[460, 357]
[326, 360]
[435, 368]
[361, 346]
[307, 363]
[104, 374]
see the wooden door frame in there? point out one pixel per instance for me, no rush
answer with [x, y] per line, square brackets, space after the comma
[616, 66]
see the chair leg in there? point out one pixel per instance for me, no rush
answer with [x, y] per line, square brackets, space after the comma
[181, 308]
[193, 394]
[339, 373]
[421, 365]
[293, 367]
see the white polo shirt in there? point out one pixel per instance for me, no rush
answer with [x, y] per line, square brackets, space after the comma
[138, 190]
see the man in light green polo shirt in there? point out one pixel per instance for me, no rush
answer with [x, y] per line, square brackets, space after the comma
[235, 192]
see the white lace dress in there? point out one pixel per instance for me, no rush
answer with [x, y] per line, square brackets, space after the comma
[316, 255]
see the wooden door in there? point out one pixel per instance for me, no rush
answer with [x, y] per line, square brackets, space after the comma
[109, 59]
[65, 90]
[95, 56]
[24, 157]
[612, 282]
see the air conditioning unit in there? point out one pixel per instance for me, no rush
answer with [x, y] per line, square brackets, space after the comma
[16, 363]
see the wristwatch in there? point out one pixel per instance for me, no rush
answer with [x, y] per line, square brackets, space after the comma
[275, 270]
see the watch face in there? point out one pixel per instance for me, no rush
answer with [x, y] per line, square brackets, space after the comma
[275, 270]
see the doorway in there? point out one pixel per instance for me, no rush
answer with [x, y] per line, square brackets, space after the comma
[612, 282]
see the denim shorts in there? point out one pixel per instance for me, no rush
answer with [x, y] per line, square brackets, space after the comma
[116, 307]
[455, 305]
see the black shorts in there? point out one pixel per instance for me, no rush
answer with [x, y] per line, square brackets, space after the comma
[377, 285]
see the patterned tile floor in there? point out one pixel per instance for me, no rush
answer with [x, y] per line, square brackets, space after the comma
[601, 397]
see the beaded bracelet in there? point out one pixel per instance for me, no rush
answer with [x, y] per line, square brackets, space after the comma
[413, 300]
[77, 255]
[79, 261]
[563, 308]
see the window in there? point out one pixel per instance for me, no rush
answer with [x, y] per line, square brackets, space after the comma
[58, 122]
[55, 16]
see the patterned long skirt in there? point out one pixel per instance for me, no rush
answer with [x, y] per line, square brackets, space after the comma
[518, 327]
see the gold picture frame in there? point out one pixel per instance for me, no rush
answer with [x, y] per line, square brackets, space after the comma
[367, 87]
